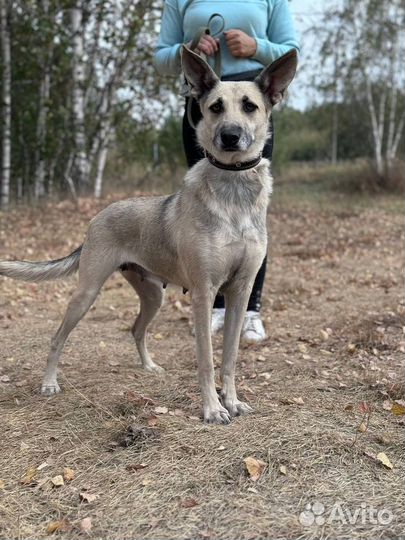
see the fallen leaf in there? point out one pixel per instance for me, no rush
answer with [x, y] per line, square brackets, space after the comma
[283, 469]
[349, 407]
[362, 428]
[152, 421]
[68, 474]
[255, 467]
[382, 457]
[139, 399]
[387, 405]
[364, 407]
[188, 503]
[136, 466]
[87, 497]
[85, 525]
[325, 335]
[56, 526]
[58, 481]
[29, 476]
[398, 408]
[298, 401]
[147, 482]
[161, 410]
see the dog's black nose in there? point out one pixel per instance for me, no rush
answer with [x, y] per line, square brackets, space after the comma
[230, 137]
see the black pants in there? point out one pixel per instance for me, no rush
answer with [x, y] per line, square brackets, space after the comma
[193, 154]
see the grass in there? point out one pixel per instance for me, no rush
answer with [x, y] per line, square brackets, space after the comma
[345, 186]
[333, 307]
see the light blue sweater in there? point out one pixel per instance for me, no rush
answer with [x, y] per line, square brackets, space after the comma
[269, 22]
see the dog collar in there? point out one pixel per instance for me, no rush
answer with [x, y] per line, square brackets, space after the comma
[238, 166]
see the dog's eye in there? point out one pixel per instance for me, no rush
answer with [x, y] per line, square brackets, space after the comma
[248, 106]
[217, 107]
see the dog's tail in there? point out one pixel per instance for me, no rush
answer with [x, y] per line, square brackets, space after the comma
[42, 271]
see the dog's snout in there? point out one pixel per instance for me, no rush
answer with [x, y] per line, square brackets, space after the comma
[230, 137]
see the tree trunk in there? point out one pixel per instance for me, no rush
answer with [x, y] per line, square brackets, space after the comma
[6, 105]
[335, 118]
[39, 181]
[102, 158]
[81, 164]
[377, 129]
[335, 127]
[43, 106]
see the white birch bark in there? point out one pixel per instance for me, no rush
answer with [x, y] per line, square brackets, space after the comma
[101, 161]
[398, 135]
[376, 128]
[6, 105]
[81, 165]
[43, 105]
[44, 91]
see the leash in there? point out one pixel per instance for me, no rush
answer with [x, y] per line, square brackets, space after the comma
[207, 30]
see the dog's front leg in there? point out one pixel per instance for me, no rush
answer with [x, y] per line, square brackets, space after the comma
[214, 412]
[236, 301]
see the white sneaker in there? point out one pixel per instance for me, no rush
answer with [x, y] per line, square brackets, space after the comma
[253, 329]
[218, 320]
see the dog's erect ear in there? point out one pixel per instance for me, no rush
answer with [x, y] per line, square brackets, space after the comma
[200, 77]
[275, 78]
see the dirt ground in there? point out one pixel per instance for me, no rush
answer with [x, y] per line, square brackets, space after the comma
[138, 461]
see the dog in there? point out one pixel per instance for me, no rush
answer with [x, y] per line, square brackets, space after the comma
[209, 237]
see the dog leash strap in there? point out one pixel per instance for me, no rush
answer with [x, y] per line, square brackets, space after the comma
[208, 30]
[217, 57]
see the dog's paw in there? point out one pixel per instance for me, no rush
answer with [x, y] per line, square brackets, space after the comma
[236, 407]
[218, 415]
[153, 368]
[50, 389]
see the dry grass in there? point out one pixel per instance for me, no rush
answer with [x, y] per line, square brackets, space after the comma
[328, 270]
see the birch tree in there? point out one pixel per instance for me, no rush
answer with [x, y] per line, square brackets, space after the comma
[370, 67]
[79, 68]
[6, 105]
[80, 162]
[47, 30]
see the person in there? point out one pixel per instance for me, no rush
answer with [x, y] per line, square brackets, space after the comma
[248, 35]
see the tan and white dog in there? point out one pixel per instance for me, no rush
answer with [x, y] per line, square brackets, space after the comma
[210, 236]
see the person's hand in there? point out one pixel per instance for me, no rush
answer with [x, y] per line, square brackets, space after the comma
[240, 44]
[207, 45]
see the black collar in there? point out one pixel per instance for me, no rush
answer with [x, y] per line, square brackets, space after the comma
[238, 166]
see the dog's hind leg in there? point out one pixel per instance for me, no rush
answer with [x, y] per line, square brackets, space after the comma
[151, 294]
[92, 275]
[236, 300]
